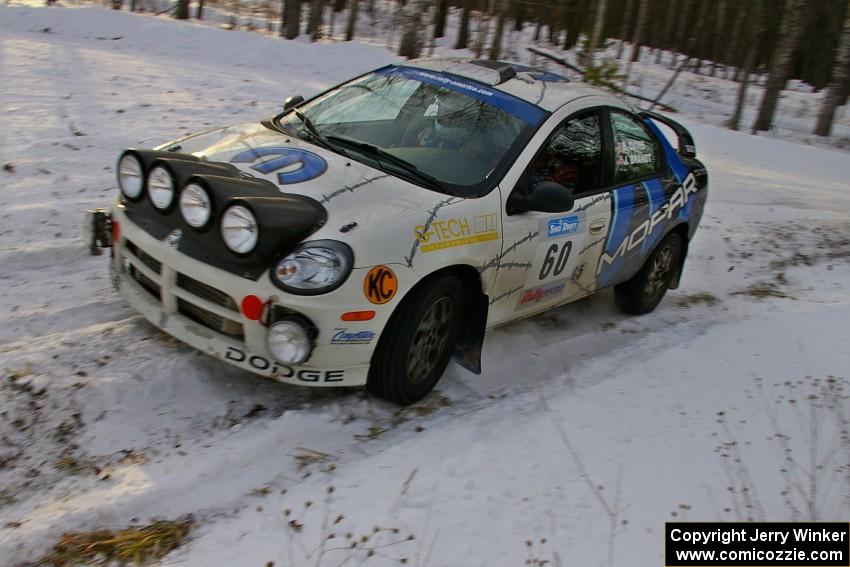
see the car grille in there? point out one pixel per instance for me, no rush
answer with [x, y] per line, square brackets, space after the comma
[193, 294]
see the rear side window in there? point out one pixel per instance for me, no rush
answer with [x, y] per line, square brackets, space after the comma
[636, 152]
[572, 156]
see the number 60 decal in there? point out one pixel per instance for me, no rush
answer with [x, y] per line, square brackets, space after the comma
[549, 262]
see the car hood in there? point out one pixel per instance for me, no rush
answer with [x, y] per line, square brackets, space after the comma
[351, 192]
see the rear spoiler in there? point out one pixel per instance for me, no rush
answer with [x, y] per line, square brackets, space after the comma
[686, 141]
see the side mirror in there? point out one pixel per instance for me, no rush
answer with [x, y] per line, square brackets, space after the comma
[545, 197]
[292, 102]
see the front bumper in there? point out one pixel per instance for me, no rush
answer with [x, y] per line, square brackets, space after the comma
[198, 304]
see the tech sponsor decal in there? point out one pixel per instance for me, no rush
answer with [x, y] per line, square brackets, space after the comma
[380, 285]
[281, 371]
[346, 337]
[299, 165]
[534, 296]
[457, 231]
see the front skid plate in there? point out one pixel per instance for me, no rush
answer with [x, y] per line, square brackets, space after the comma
[231, 351]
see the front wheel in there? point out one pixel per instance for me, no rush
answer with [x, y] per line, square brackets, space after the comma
[418, 342]
[643, 292]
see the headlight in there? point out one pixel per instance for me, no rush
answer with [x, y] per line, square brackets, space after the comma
[160, 188]
[239, 229]
[314, 267]
[130, 176]
[195, 205]
[289, 342]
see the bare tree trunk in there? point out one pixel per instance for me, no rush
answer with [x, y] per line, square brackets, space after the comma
[596, 39]
[640, 30]
[481, 35]
[754, 39]
[199, 11]
[440, 14]
[624, 27]
[840, 75]
[411, 33]
[496, 45]
[292, 18]
[182, 10]
[463, 32]
[352, 19]
[780, 66]
[317, 8]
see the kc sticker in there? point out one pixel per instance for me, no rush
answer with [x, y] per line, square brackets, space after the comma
[380, 285]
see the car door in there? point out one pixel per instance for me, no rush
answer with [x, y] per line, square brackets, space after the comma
[550, 258]
[640, 190]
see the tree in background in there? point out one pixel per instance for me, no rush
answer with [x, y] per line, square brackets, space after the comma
[314, 23]
[441, 10]
[496, 45]
[832, 97]
[291, 19]
[596, 39]
[181, 11]
[780, 65]
[411, 36]
[463, 31]
[352, 20]
[757, 31]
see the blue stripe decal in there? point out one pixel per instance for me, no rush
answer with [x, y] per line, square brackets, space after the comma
[525, 111]
[655, 190]
[680, 170]
[624, 207]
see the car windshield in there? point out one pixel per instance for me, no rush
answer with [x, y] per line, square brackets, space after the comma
[439, 131]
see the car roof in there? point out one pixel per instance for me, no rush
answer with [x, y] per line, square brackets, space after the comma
[545, 89]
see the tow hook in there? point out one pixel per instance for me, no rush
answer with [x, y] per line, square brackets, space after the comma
[97, 230]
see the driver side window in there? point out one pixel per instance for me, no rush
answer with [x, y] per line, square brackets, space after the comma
[572, 156]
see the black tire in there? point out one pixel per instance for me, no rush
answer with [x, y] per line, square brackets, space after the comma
[418, 342]
[644, 291]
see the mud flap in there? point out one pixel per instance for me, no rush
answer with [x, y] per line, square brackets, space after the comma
[468, 352]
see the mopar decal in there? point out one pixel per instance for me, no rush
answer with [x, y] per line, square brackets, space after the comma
[300, 165]
[666, 212]
[460, 231]
[346, 337]
[280, 371]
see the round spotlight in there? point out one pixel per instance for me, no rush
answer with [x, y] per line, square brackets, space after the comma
[195, 205]
[239, 229]
[160, 188]
[130, 179]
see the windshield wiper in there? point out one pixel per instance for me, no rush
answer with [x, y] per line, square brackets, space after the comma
[316, 135]
[381, 155]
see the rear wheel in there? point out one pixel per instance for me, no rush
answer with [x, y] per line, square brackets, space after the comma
[418, 342]
[644, 291]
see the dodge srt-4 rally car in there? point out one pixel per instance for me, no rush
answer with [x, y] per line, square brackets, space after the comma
[367, 235]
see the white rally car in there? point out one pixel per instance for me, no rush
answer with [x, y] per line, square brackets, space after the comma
[370, 233]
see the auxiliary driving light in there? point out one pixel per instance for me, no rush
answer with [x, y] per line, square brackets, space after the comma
[289, 342]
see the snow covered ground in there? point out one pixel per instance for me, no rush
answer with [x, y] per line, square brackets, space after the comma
[586, 431]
